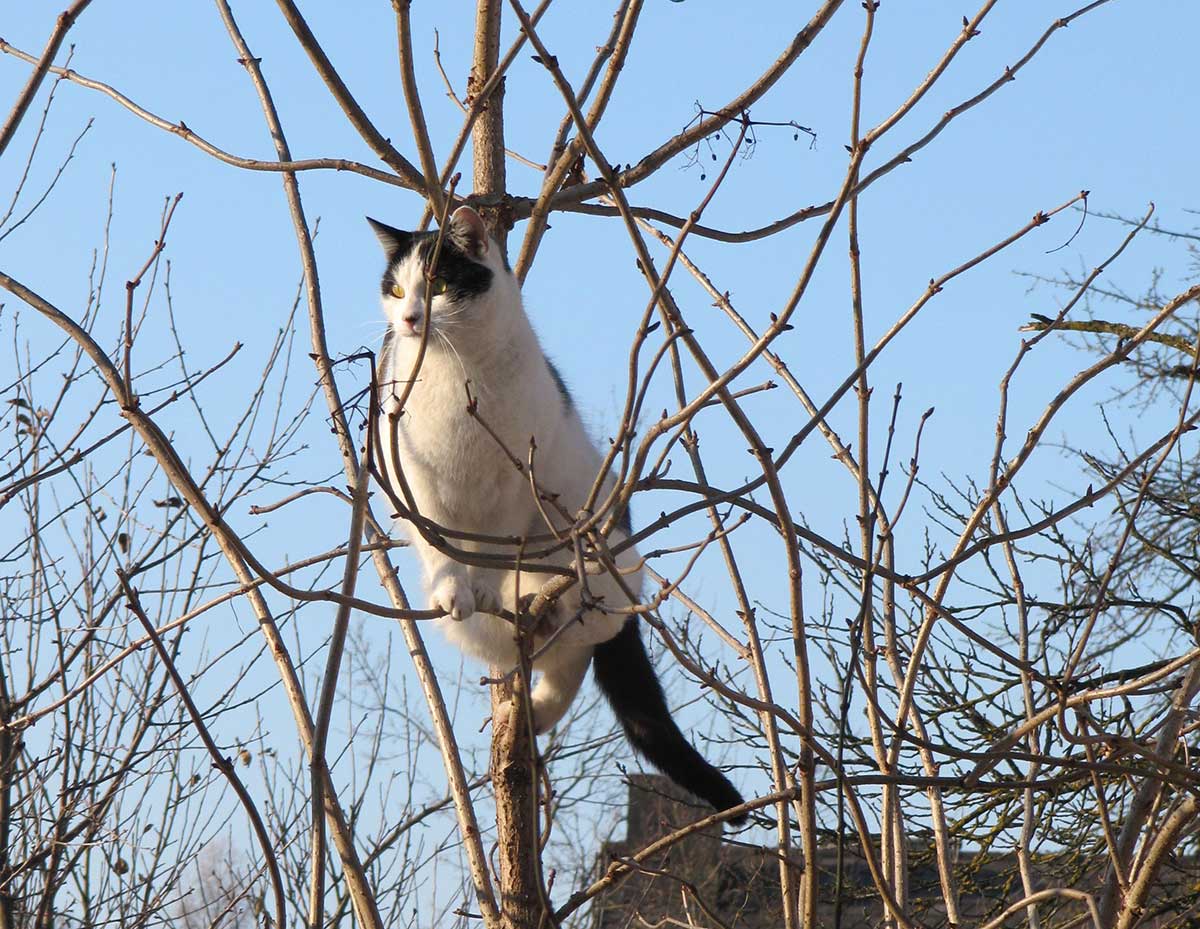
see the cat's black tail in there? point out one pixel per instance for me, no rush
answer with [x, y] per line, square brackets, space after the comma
[627, 679]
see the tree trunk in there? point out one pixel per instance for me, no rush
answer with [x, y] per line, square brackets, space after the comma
[514, 780]
[514, 751]
[487, 136]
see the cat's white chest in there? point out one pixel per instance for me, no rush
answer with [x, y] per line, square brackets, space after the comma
[453, 463]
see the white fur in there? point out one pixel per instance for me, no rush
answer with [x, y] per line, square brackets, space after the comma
[461, 479]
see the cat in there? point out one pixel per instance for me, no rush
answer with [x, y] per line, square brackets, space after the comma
[462, 478]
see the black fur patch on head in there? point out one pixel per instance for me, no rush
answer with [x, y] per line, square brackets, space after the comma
[465, 278]
[394, 241]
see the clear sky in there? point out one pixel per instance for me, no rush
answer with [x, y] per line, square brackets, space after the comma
[1109, 105]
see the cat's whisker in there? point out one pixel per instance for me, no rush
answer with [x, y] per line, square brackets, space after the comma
[450, 316]
[450, 345]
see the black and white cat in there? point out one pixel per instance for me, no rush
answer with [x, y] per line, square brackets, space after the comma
[462, 479]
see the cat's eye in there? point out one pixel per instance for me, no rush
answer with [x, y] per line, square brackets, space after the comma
[438, 286]
[397, 291]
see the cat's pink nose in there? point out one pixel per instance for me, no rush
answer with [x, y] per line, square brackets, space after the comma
[412, 320]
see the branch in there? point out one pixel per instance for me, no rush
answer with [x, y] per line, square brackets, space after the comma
[182, 130]
[1100, 326]
[333, 662]
[221, 762]
[721, 118]
[408, 80]
[341, 93]
[66, 20]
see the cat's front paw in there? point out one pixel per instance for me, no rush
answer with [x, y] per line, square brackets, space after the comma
[459, 596]
[453, 596]
[487, 600]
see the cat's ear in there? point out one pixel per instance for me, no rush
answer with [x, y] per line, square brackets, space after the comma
[468, 232]
[394, 241]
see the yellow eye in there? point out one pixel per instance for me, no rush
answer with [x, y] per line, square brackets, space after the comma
[397, 291]
[438, 285]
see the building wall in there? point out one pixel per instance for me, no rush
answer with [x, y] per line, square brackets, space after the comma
[714, 881]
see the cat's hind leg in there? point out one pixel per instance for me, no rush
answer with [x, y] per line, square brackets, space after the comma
[562, 668]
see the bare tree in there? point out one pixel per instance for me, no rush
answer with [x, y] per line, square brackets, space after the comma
[964, 678]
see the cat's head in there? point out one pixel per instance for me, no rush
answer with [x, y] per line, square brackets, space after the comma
[471, 285]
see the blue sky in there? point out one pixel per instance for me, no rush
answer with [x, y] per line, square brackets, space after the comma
[1108, 106]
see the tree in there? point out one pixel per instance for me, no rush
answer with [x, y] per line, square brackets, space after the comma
[973, 669]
